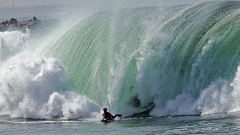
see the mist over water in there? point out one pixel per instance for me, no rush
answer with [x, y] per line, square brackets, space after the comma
[175, 60]
[33, 86]
[36, 87]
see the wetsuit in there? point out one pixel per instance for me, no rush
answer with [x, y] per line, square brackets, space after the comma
[107, 115]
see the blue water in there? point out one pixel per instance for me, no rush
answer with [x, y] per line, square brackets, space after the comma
[214, 124]
[168, 70]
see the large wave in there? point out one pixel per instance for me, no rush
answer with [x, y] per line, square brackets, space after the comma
[177, 60]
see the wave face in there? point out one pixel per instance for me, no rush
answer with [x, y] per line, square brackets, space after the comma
[36, 87]
[178, 60]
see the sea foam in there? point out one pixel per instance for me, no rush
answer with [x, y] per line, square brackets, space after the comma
[37, 88]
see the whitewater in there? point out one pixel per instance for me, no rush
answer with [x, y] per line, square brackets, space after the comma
[181, 60]
[167, 69]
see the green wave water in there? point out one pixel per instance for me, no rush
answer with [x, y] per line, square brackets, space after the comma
[134, 60]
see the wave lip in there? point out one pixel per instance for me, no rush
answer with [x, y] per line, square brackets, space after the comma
[163, 55]
[178, 60]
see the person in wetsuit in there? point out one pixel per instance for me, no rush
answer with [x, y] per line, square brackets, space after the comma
[108, 116]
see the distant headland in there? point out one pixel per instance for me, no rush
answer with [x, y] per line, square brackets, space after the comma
[23, 26]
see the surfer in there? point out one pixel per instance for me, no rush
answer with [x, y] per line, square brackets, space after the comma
[108, 116]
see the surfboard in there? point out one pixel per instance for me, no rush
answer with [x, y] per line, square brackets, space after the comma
[107, 120]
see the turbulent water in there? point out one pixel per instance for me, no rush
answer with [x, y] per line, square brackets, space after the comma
[152, 61]
[178, 60]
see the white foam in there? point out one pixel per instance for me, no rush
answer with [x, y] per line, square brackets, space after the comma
[220, 97]
[182, 105]
[11, 43]
[37, 88]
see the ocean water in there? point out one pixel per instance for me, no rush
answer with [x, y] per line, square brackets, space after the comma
[214, 124]
[167, 69]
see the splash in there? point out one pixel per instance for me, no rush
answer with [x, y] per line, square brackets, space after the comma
[36, 88]
[178, 60]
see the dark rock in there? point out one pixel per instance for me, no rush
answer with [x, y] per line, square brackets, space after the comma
[5, 22]
[13, 21]
[34, 26]
[2, 27]
[23, 23]
[12, 27]
[34, 18]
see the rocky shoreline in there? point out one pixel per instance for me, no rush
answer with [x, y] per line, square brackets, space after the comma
[23, 26]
